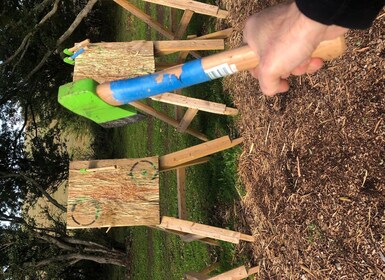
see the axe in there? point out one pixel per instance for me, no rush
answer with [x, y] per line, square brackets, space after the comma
[120, 92]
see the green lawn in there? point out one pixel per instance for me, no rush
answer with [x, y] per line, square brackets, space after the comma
[154, 254]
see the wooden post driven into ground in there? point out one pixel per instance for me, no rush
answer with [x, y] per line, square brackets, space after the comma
[191, 156]
[195, 6]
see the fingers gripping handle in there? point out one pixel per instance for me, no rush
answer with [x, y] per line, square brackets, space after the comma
[196, 72]
[244, 58]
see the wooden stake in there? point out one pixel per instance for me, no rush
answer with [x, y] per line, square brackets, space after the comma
[146, 18]
[179, 111]
[200, 229]
[196, 152]
[190, 163]
[191, 237]
[187, 119]
[197, 7]
[183, 24]
[194, 103]
[210, 268]
[168, 47]
[181, 189]
[195, 276]
[208, 241]
[234, 274]
[222, 34]
[163, 117]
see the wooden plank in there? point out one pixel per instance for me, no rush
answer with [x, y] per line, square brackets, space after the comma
[247, 237]
[222, 34]
[195, 103]
[126, 195]
[195, 276]
[161, 65]
[181, 190]
[208, 241]
[187, 119]
[191, 237]
[183, 24]
[168, 47]
[173, 22]
[163, 117]
[135, 58]
[253, 270]
[188, 164]
[197, 7]
[198, 151]
[146, 18]
[200, 229]
[179, 111]
[234, 274]
[210, 268]
[183, 55]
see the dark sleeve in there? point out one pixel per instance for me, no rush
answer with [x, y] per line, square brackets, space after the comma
[353, 14]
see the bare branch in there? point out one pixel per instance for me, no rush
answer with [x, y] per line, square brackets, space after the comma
[23, 46]
[83, 13]
[73, 257]
[55, 241]
[18, 220]
[36, 185]
[19, 49]
[49, 14]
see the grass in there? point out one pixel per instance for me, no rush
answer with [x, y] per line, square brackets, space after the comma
[154, 254]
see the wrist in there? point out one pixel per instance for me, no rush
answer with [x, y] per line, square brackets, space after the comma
[318, 31]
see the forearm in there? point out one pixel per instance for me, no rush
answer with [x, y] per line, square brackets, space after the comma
[352, 14]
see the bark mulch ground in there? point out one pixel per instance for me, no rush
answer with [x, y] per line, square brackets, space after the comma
[314, 162]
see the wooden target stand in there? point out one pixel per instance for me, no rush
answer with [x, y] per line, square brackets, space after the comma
[212, 41]
[125, 192]
[119, 60]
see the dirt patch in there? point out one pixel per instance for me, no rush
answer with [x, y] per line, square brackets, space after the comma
[314, 162]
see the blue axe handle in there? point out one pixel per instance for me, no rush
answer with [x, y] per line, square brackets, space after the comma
[195, 72]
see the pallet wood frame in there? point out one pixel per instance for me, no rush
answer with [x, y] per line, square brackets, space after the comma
[208, 41]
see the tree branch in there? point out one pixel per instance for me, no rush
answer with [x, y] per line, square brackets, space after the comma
[23, 46]
[83, 13]
[36, 185]
[18, 220]
[78, 256]
[55, 241]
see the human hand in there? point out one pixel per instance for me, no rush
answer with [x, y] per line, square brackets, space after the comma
[283, 38]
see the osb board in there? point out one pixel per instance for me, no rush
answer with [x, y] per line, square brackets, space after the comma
[122, 192]
[113, 61]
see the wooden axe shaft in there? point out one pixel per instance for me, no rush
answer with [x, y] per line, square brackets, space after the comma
[196, 72]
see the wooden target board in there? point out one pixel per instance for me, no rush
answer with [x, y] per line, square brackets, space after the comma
[111, 61]
[107, 193]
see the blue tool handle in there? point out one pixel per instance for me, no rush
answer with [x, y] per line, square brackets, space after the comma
[128, 90]
[197, 71]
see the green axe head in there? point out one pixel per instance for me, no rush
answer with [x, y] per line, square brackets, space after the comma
[80, 97]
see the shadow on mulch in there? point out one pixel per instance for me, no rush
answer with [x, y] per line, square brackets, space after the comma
[314, 162]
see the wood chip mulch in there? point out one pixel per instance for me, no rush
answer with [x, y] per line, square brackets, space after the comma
[314, 162]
